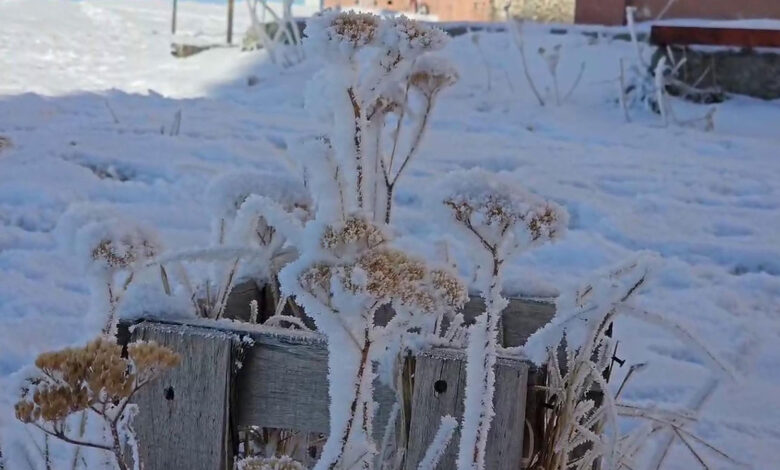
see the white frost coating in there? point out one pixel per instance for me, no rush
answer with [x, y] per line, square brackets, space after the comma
[439, 444]
[227, 193]
[128, 435]
[112, 249]
[83, 227]
[501, 220]
[338, 36]
[578, 313]
[495, 211]
[346, 271]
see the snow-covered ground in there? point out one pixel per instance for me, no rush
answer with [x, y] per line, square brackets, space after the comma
[88, 91]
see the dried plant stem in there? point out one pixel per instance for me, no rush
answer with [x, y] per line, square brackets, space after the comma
[576, 82]
[358, 401]
[226, 288]
[82, 430]
[391, 182]
[358, 137]
[527, 73]
[623, 99]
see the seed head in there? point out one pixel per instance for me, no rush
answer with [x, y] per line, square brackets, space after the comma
[432, 74]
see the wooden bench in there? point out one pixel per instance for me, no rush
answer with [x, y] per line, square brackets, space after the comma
[694, 35]
[735, 60]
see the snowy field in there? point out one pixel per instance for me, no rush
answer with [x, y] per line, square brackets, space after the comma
[88, 95]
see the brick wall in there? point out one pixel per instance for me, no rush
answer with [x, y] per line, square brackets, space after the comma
[555, 11]
[612, 12]
[445, 10]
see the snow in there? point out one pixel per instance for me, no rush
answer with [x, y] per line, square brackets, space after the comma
[709, 203]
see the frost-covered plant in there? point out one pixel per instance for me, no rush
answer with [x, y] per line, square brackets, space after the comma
[97, 379]
[551, 58]
[374, 98]
[114, 250]
[118, 251]
[375, 114]
[439, 444]
[571, 437]
[269, 463]
[286, 30]
[342, 282]
[503, 220]
[579, 431]
[648, 85]
[254, 216]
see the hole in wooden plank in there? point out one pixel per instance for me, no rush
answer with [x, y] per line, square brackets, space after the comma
[169, 395]
[440, 386]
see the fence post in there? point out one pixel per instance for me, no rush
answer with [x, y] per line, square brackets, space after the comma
[173, 17]
[183, 418]
[439, 386]
[231, 4]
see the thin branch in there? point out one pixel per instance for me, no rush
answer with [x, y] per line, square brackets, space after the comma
[61, 436]
[576, 82]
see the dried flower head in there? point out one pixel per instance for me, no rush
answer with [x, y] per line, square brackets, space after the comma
[150, 359]
[340, 34]
[269, 463]
[353, 235]
[432, 74]
[316, 279]
[75, 379]
[123, 252]
[390, 275]
[494, 209]
[411, 38]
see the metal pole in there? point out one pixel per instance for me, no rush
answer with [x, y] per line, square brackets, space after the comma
[173, 18]
[230, 22]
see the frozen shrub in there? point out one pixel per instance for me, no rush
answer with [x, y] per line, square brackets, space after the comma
[114, 250]
[363, 100]
[502, 220]
[94, 378]
[342, 281]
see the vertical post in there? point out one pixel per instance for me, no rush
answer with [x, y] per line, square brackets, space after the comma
[231, 4]
[173, 18]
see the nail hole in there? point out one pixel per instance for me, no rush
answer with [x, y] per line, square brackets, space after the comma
[168, 393]
[440, 386]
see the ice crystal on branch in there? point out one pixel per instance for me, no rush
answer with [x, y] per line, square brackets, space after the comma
[342, 282]
[114, 250]
[502, 217]
[502, 220]
[406, 39]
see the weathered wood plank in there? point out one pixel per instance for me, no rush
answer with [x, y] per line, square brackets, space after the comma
[521, 318]
[524, 317]
[284, 384]
[183, 416]
[439, 388]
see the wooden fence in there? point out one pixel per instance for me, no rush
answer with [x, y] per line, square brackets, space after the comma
[235, 375]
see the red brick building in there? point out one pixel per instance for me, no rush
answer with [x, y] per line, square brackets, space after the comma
[612, 12]
[444, 10]
[609, 12]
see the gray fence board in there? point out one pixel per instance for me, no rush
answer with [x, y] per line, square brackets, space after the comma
[430, 402]
[183, 415]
